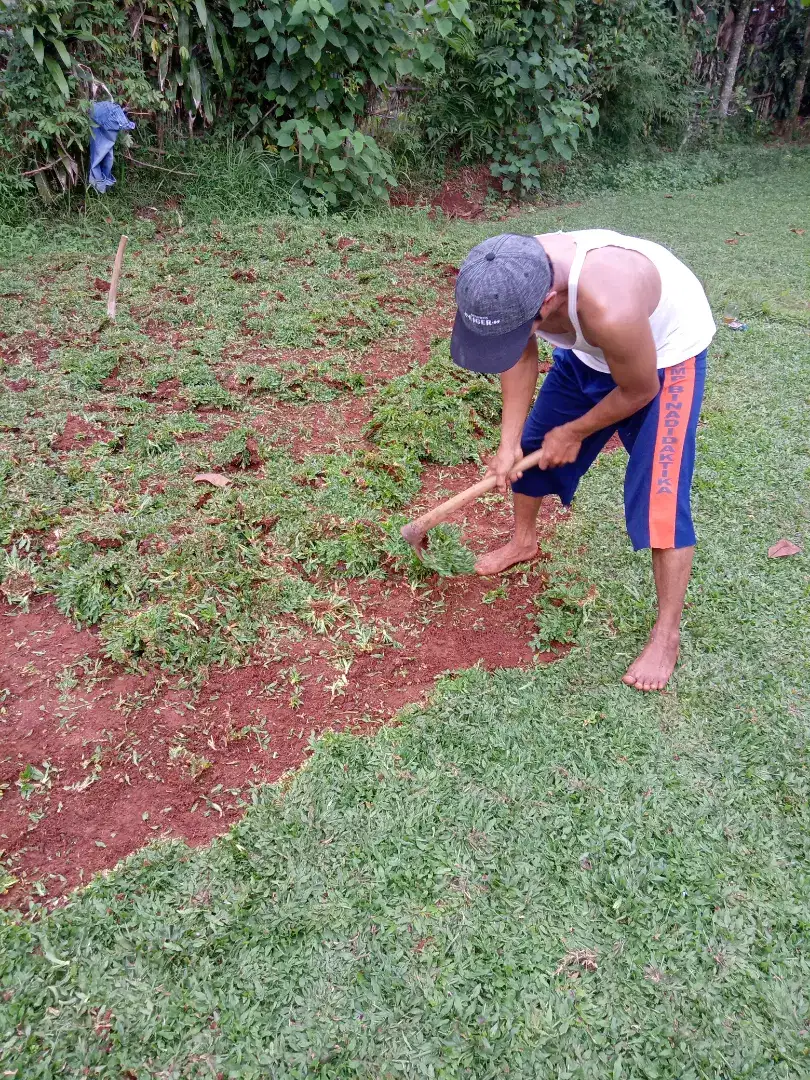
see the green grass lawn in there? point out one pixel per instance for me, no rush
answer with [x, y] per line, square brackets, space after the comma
[228, 333]
[542, 874]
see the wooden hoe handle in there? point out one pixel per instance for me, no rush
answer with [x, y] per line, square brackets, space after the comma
[415, 531]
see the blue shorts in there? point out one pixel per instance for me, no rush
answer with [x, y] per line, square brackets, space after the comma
[660, 439]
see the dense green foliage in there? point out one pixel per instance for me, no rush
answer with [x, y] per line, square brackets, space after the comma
[324, 61]
[51, 55]
[512, 88]
[439, 411]
[640, 59]
[298, 77]
[326, 91]
[542, 873]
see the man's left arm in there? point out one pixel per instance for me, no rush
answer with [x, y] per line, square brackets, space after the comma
[629, 349]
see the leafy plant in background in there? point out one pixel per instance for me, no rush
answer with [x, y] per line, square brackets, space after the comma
[766, 76]
[640, 69]
[512, 90]
[298, 86]
[296, 78]
[56, 56]
[165, 59]
[775, 60]
[319, 65]
[335, 162]
[191, 53]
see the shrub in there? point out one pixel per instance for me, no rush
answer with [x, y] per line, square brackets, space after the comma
[57, 55]
[512, 90]
[639, 69]
[297, 78]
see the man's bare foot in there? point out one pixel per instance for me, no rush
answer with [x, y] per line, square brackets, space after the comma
[653, 668]
[495, 562]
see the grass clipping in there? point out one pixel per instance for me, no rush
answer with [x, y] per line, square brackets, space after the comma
[445, 555]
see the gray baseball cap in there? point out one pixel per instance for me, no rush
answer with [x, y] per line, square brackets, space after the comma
[500, 288]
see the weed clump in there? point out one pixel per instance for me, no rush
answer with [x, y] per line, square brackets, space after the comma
[87, 368]
[440, 412]
[446, 554]
[561, 609]
[288, 380]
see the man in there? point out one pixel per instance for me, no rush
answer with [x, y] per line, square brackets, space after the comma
[631, 325]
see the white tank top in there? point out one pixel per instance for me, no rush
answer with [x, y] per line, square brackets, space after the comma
[682, 325]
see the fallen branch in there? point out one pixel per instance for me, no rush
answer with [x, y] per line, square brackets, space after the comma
[160, 168]
[94, 82]
[116, 275]
[259, 121]
[42, 168]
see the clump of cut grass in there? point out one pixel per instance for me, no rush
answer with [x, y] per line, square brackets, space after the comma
[287, 380]
[446, 553]
[438, 411]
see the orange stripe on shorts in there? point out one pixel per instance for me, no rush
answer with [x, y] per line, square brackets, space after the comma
[673, 419]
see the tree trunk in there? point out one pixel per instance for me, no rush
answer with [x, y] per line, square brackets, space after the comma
[801, 79]
[734, 51]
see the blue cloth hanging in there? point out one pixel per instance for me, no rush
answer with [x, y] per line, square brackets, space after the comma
[106, 120]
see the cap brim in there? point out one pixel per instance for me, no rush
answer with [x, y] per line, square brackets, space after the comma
[489, 354]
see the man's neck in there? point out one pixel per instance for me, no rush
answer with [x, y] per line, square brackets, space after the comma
[561, 251]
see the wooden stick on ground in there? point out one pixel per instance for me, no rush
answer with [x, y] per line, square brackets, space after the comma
[116, 276]
[160, 168]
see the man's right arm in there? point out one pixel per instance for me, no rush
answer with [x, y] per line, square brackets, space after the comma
[518, 385]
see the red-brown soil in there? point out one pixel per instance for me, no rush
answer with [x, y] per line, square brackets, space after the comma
[315, 428]
[27, 346]
[153, 736]
[18, 385]
[461, 195]
[77, 432]
[123, 759]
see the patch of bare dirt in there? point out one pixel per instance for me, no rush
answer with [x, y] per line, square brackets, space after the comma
[316, 428]
[462, 195]
[122, 758]
[77, 433]
[395, 355]
[95, 762]
[27, 346]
